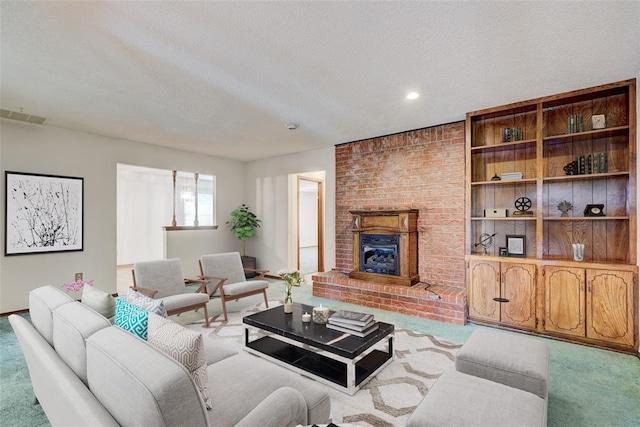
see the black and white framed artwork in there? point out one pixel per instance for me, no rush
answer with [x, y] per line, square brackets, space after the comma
[43, 213]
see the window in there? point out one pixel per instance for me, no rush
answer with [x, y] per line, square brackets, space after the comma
[194, 193]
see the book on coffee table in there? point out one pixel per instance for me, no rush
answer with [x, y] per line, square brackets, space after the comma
[352, 317]
[359, 333]
[352, 326]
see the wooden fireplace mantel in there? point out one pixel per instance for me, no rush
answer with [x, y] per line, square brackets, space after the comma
[402, 222]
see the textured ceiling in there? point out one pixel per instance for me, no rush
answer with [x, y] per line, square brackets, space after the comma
[223, 78]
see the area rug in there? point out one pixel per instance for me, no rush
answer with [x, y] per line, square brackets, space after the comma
[386, 400]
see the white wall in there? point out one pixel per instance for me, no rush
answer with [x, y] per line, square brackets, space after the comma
[49, 150]
[267, 190]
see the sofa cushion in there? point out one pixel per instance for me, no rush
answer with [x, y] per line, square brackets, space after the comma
[42, 302]
[72, 325]
[132, 318]
[146, 303]
[99, 300]
[183, 345]
[140, 385]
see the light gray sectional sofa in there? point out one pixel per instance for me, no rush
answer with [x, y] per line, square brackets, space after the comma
[86, 372]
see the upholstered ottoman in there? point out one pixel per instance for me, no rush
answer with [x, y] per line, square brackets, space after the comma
[512, 360]
[458, 399]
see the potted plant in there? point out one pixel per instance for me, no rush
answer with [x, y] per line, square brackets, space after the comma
[291, 278]
[243, 224]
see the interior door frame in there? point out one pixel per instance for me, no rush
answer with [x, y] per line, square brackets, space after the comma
[320, 206]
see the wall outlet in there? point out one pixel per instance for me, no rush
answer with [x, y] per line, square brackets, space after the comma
[78, 277]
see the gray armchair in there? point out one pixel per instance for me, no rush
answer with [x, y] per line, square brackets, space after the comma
[163, 280]
[226, 279]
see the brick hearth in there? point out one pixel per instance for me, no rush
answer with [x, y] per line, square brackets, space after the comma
[414, 301]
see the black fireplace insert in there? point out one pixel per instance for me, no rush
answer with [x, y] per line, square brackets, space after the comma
[379, 254]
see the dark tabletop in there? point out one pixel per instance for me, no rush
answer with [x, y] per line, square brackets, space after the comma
[291, 326]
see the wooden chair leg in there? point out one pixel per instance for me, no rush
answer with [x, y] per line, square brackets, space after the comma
[266, 301]
[224, 308]
[206, 316]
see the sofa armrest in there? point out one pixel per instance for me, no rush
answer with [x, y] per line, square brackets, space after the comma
[62, 395]
[283, 407]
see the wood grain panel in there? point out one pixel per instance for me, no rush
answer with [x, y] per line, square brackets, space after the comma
[519, 287]
[617, 241]
[617, 113]
[556, 156]
[610, 306]
[565, 300]
[555, 119]
[484, 285]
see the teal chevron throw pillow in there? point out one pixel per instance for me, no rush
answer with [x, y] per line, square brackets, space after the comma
[131, 318]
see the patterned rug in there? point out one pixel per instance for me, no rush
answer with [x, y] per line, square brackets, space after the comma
[386, 400]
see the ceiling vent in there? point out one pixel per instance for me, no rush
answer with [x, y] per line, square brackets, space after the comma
[22, 117]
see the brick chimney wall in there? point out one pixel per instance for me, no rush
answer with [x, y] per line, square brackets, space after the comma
[420, 169]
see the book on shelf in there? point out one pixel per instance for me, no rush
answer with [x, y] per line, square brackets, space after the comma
[352, 317]
[361, 334]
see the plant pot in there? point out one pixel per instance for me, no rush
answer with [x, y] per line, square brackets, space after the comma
[288, 307]
[249, 262]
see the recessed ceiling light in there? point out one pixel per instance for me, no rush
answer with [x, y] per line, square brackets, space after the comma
[291, 126]
[413, 95]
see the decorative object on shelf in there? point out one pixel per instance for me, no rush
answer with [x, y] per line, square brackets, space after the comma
[598, 121]
[486, 241]
[523, 204]
[502, 251]
[594, 210]
[565, 207]
[44, 213]
[578, 252]
[509, 176]
[320, 315]
[291, 278]
[306, 317]
[76, 286]
[495, 177]
[516, 246]
[511, 134]
[496, 213]
[574, 123]
[571, 168]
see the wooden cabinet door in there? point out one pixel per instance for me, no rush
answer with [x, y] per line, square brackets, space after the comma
[484, 286]
[519, 288]
[610, 306]
[564, 300]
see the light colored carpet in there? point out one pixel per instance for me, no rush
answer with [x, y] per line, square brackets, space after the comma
[386, 400]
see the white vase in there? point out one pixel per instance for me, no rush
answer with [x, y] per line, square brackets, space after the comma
[288, 307]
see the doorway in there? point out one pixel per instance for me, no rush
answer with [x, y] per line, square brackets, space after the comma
[310, 225]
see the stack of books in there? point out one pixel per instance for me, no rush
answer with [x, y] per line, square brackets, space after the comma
[352, 322]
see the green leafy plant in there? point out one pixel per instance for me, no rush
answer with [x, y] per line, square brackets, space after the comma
[243, 224]
[291, 278]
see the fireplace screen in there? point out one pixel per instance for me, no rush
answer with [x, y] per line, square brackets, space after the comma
[379, 253]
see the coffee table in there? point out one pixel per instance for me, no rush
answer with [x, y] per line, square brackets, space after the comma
[342, 361]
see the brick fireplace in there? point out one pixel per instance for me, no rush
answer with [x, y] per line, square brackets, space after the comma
[422, 171]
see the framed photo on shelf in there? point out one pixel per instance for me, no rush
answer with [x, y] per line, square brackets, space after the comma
[44, 213]
[516, 245]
